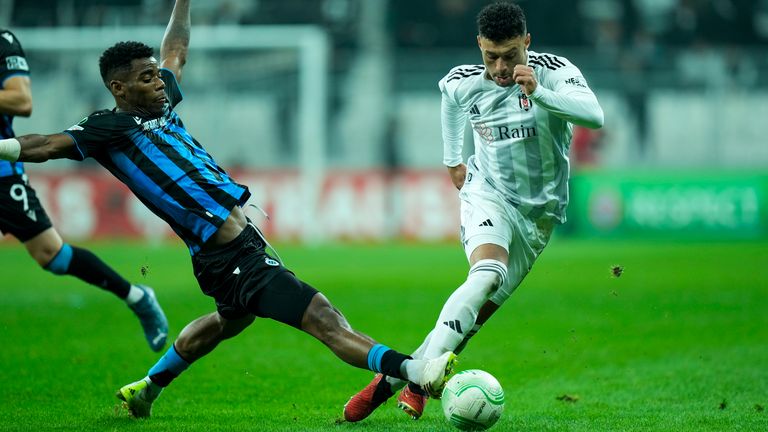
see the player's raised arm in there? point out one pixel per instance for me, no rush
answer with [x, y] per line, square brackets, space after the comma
[16, 96]
[568, 97]
[38, 148]
[173, 50]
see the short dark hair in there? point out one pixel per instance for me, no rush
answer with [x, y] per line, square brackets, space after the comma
[119, 56]
[501, 21]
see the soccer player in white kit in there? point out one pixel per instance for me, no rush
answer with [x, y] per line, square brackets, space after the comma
[522, 106]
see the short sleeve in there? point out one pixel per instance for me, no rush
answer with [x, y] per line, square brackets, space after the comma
[172, 89]
[99, 131]
[12, 58]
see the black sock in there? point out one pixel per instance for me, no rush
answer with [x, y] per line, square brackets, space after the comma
[383, 390]
[89, 268]
[164, 378]
[390, 363]
[416, 389]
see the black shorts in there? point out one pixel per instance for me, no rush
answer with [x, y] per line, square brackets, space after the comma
[20, 211]
[245, 280]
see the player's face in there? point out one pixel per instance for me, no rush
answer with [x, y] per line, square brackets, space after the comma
[143, 88]
[500, 58]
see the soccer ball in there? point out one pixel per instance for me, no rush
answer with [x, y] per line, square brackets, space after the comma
[473, 400]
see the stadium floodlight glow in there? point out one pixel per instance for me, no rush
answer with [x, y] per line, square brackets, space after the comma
[311, 42]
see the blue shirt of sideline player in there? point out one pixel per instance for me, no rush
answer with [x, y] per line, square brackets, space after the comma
[23, 216]
[144, 143]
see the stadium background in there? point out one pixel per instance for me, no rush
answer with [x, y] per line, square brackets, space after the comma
[674, 189]
[683, 85]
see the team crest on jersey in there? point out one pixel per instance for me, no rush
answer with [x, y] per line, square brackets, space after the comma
[524, 102]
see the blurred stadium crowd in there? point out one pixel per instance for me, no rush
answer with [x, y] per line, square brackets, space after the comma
[630, 51]
[625, 23]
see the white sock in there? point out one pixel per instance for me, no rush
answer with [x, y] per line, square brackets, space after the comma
[412, 370]
[460, 311]
[419, 353]
[397, 383]
[134, 295]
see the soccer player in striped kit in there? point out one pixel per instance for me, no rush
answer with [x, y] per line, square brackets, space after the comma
[144, 143]
[22, 215]
[522, 106]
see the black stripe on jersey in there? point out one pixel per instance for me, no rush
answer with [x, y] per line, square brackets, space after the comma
[467, 70]
[539, 63]
[542, 62]
[213, 191]
[556, 61]
[169, 186]
[218, 171]
[547, 61]
[182, 231]
[214, 170]
[460, 76]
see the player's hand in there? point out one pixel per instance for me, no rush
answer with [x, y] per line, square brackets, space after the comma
[523, 75]
[458, 174]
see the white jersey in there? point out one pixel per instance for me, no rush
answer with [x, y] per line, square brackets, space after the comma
[521, 142]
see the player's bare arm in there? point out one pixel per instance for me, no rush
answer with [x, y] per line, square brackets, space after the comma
[458, 174]
[16, 96]
[523, 75]
[37, 148]
[173, 50]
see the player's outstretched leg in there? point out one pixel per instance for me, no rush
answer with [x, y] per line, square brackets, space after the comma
[429, 377]
[412, 399]
[326, 323]
[59, 258]
[464, 309]
[197, 339]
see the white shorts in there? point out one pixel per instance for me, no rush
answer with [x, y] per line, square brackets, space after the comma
[486, 218]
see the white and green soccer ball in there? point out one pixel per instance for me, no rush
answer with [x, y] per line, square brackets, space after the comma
[473, 400]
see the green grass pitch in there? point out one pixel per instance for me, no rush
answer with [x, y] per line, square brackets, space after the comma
[679, 342]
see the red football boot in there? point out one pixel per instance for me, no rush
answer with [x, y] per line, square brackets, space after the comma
[412, 401]
[368, 399]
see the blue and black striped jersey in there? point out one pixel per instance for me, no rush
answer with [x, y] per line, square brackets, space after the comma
[12, 63]
[167, 169]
